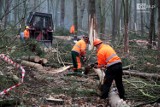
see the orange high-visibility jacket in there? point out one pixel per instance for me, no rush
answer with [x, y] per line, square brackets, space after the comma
[26, 34]
[106, 56]
[80, 47]
[72, 29]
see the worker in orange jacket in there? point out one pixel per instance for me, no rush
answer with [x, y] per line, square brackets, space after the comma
[72, 29]
[25, 34]
[108, 59]
[78, 52]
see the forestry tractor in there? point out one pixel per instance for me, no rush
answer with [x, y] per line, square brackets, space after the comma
[40, 27]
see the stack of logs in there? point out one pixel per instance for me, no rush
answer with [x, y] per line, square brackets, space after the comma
[33, 61]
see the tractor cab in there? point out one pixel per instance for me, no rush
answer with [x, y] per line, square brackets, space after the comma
[40, 27]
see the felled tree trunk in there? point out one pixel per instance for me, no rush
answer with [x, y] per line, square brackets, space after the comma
[36, 59]
[31, 58]
[32, 64]
[142, 74]
[114, 99]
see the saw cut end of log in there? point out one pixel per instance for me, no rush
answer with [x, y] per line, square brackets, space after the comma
[115, 100]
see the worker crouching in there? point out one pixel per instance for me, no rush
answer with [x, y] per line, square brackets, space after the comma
[78, 52]
[108, 59]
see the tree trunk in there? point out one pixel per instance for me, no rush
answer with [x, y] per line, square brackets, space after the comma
[151, 30]
[75, 15]
[39, 67]
[142, 24]
[135, 16]
[101, 18]
[82, 8]
[126, 38]
[56, 14]
[158, 31]
[7, 6]
[92, 23]
[62, 13]
[31, 58]
[113, 22]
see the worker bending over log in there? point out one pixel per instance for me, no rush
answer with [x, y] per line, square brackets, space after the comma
[109, 60]
[78, 52]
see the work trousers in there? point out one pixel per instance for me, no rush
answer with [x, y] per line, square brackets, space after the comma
[113, 72]
[76, 60]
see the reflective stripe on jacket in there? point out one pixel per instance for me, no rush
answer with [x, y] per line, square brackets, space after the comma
[106, 56]
[80, 47]
[26, 34]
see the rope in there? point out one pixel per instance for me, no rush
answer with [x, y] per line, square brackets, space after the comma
[9, 61]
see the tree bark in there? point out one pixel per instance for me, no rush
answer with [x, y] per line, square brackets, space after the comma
[126, 38]
[31, 58]
[56, 14]
[92, 23]
[62, 13]
[82, 8]
[75, 16]
[135, 16]
[158, 31]
[151, 30]
[32, 64]
[142, 24]
[113, 22]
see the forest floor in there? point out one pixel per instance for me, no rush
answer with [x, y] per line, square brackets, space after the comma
[44, 89]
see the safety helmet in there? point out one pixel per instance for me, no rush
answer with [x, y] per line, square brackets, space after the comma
[27, 27]
[97, 42]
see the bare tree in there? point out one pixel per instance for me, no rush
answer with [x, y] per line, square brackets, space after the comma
[62, 13]
[158, 30]
[82, 8]
[92, 22]
[56, 14]
[75, 15]
[101, 15]
[126, 38]
[142, 24]
[113, 21]
[135, 16]
[7, 6]
[152, 25]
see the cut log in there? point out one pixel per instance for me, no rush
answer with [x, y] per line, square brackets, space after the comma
[100, 74]
[43, 61]
[31, 58]
[142, 74]
[114, 99]
[32, 64]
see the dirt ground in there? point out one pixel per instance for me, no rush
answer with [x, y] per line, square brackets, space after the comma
[44, 89]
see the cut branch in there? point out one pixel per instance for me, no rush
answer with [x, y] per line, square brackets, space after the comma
[142, 74]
